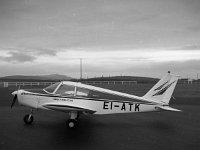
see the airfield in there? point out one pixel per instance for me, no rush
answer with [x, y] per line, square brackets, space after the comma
[140, 131]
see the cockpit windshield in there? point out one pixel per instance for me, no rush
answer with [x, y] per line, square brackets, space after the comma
[51, 88]
[66, 90]
[82, 92]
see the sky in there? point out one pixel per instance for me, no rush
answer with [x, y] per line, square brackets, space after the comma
[113, 37]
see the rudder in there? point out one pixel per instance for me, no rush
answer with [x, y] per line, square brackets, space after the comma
[163, 90]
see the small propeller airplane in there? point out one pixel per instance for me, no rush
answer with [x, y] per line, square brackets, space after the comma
[76, 98]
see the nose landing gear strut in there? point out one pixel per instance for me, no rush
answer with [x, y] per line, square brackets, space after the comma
[28, 118]
[73, 121]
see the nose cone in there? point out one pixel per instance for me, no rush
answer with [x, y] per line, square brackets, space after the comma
[14, 93]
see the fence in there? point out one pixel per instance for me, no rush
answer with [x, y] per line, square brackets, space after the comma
[8, 84]
[110, 82]
[17, 84]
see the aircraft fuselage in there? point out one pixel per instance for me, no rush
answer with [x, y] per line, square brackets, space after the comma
[102, 106]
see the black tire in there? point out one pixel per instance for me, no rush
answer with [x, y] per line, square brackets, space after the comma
[28, 119]
[72, 123]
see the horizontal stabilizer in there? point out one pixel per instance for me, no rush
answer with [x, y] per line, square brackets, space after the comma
[167, 108]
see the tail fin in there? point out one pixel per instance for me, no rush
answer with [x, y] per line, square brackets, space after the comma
[163, 90]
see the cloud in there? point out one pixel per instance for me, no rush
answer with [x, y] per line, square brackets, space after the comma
[115, 23]
[25, 54]
[150, 69]
[190, 47]
[194, 28]
[44, 51]
[18, 57]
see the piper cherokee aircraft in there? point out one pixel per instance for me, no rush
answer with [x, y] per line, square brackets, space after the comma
[76, 98]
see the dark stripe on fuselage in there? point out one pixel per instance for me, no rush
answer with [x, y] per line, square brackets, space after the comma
[72, 107]
[55, 107]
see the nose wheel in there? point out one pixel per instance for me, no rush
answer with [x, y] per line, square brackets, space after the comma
[73, 121]
[28, 118]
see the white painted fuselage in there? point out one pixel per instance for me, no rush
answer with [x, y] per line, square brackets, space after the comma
[76, 98]
[101, 106]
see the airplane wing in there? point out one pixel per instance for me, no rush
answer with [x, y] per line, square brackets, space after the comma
[107, 91]
[67, 107]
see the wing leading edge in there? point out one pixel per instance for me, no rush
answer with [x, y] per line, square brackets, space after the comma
[107, 91]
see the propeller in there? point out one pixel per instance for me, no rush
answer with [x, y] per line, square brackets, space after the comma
[14, 99]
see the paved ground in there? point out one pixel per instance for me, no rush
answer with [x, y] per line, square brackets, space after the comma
[127, 131]
[166, 130]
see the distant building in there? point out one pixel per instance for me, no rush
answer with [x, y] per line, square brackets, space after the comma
[190, 81]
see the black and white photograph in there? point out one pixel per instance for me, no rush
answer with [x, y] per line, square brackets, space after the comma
[99, 74]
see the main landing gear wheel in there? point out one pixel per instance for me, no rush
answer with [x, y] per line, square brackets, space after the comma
[72, 123]
[28, 119]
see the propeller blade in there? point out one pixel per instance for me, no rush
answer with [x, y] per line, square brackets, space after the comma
[14, 100]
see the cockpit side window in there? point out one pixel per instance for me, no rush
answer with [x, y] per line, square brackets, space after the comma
[66, 90]
[51, 88]
[82, 92]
